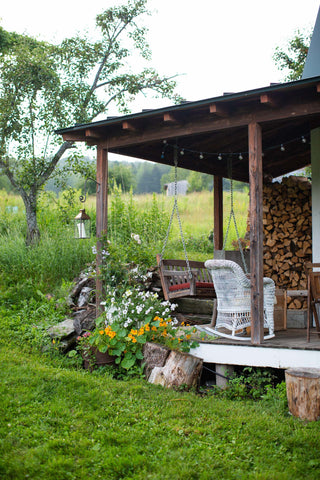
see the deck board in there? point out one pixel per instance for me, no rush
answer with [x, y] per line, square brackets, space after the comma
[288, 349]
[291, 338]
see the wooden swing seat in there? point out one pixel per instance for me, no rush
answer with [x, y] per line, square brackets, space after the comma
[176, 283]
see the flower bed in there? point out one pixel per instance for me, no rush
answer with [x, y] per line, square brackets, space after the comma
[131, 319]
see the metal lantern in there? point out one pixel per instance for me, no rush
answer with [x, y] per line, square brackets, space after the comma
[82, 225]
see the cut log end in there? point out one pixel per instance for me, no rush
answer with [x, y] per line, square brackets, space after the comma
[303, 393]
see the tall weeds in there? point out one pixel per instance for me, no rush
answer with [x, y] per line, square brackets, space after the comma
[137, 228]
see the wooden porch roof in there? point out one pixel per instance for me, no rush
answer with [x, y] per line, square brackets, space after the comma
[206, 128]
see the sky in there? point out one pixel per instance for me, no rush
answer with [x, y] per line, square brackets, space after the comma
[215, 46]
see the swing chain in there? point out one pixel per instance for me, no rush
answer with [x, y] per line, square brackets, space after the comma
[232, 216]
[175, 208]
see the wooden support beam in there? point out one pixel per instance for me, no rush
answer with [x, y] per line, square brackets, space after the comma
[256, 232]
[101, 217]
[90, 133]
[219, 110]
[168, 117]
[217, 212]
[318, 88]
[268, 99]
[128, 126]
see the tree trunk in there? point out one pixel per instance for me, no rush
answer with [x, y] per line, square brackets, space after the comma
[180, 369]
[303, 393]
[33, 233]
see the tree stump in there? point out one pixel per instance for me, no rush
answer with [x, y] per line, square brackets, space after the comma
[179, 369]
[154, 355]
[303, 393]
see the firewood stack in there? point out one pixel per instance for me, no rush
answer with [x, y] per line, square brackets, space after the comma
[287, 234]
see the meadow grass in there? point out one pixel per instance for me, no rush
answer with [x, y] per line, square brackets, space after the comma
[60, 423]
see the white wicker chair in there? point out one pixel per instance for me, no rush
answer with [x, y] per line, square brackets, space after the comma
[233, 290]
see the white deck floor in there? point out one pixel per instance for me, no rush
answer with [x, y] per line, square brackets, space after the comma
[288, 349]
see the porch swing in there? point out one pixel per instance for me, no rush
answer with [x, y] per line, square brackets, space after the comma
[233, 290]
[182, 278]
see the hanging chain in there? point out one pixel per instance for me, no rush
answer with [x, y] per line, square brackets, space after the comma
[232, 216]
[176, 209]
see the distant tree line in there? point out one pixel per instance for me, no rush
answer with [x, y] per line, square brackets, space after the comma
[138, 177]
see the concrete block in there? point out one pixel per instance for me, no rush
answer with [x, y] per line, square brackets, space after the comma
[297, 318]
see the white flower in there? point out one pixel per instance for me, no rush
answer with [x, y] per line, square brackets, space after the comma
[94, 250]
[136, 238]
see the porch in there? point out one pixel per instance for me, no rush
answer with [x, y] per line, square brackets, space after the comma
[266, 133]
[288, 349]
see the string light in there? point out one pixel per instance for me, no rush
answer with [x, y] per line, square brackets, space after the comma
[221, 155]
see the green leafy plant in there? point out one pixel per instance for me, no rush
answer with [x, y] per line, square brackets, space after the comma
[133, 318]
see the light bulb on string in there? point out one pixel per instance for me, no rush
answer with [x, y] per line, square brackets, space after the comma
[219, 156]
[303, 139]
[201, 156]
[282, 148]
[181, 152]
[240, 156]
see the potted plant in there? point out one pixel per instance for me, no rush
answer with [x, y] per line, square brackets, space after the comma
[92, 356]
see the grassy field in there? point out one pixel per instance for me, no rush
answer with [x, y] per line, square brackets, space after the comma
[58, 421]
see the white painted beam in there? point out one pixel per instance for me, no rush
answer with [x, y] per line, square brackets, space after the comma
[256, 356]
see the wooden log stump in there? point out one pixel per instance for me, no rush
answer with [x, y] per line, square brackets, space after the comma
[179, 369]
[303, 393]
[154, 355]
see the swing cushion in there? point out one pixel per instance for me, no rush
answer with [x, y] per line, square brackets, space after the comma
[184, 286]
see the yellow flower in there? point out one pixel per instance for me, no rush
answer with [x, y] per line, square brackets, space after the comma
[188, 337]
[164, 333]
[147, 327]
[134, 332]
[153, 328]
[101, 332]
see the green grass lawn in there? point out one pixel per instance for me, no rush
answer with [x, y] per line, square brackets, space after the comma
[61, 423]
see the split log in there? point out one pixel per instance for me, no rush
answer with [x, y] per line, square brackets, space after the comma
[303, 393]
[154, 355]
[180, 369]
[287, 225]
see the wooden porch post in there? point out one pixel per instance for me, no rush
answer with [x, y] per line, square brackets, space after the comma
[256, 232]
[101, 216]
[217, 212]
